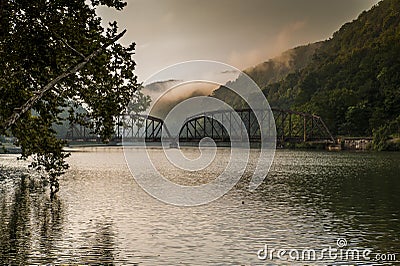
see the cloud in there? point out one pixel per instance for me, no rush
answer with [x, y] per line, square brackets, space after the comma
[162, 105]
[272, 47]
[166, 94]
[242, 33]
[168, 17]
[229, 72]
[248, 58]
[161, 86]
[143, 46]
[286, 35]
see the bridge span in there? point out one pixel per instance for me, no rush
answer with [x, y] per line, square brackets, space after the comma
[291, 127]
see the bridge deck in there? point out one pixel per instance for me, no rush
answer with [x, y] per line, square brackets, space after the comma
[286, 126]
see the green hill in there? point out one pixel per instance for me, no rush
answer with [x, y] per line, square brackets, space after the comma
[271, 72]
[352, 80]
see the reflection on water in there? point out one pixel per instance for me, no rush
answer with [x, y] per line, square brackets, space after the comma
[101, 216]
[29, 221]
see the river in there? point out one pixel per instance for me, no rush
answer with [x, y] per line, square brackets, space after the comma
[309, 200]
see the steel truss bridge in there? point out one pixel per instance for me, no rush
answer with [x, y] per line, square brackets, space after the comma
[291, 127]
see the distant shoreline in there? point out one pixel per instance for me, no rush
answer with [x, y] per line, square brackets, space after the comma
[9, 148]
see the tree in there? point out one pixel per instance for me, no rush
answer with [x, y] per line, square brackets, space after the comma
[351, 80]
[55, 55]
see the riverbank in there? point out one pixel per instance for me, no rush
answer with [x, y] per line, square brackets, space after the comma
[343, 144]
[347, 144]
[9, 148]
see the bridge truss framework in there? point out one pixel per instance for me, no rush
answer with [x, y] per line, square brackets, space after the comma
[291, 126]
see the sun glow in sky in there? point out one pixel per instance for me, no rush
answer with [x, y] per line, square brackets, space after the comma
[237, 32]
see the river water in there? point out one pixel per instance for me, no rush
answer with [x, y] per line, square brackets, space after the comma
[309, 200]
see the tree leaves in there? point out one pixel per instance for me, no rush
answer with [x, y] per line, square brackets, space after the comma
[39, 41]
[351, 80]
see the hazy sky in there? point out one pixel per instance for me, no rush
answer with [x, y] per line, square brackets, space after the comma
[237, 32]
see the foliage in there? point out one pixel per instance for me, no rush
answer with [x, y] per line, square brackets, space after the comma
[269, 76]
[380, 138]
[383, 134]
[39, 41]
[351, 80]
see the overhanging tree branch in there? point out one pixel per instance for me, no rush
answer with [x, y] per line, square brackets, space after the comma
[38, 21]
[18, 112]
[70, 47]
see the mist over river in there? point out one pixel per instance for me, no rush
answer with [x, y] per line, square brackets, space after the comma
[309, 200]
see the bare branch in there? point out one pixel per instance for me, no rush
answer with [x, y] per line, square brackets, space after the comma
[61, 39]
[39, 94]
[69, 46]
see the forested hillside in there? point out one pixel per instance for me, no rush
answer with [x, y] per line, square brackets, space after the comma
[352, 80]
[273, 71]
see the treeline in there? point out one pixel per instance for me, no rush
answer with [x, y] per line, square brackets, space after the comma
[352, 80]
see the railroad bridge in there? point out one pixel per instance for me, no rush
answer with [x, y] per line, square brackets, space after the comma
[221, 126]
